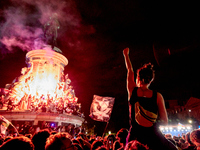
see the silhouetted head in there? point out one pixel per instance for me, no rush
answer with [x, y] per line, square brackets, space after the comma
[22, 143]
[122, 134]
[187, 138]
[195, 137]
[59, 141]
[39, 139]
[145, 74]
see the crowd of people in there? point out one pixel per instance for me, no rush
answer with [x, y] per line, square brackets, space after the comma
[146, 107]
[27, 92]
[60, 107]
[49, 139]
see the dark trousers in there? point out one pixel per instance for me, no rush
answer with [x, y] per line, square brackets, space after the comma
[150, 136]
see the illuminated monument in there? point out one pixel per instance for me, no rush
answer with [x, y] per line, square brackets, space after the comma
[43, 92]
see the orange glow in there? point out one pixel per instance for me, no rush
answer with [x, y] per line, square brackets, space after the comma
[42, 82]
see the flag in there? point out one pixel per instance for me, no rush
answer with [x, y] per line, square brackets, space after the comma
[4, 123]
[101, 108]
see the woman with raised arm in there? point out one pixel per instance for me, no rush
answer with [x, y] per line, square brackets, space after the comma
[145, 107]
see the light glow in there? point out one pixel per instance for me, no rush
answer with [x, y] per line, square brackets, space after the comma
[42, 82]
[188, 127]
[176, 129]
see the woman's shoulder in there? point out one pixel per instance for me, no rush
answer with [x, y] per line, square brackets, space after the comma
[159, 95]
[160, 98]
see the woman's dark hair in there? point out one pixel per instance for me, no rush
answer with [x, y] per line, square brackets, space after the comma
[146, 73]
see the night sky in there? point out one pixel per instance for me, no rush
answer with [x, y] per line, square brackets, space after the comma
[92, 36]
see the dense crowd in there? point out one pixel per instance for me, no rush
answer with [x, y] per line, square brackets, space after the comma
[62, 138]
[146, 107]
[37, 105]
[22, 94]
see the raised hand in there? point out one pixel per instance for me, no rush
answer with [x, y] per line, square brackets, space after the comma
[126, 51]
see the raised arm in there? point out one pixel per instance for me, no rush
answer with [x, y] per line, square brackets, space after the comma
[130, 73]
[161, 109]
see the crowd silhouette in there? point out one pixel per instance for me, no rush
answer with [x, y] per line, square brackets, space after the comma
[58, 139]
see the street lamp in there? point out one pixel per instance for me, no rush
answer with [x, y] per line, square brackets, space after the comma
[190, 121]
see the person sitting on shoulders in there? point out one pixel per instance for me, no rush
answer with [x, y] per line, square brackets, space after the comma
[145, 107]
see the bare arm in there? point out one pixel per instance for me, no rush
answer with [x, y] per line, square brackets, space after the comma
[130, 73]
[161, 109]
